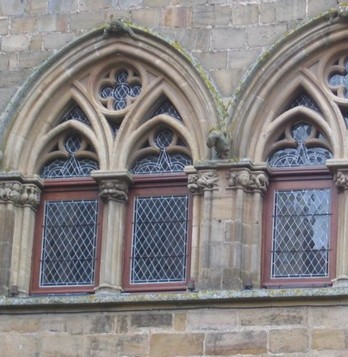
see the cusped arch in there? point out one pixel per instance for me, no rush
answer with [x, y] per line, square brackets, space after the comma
[68, 76]
[294, 63]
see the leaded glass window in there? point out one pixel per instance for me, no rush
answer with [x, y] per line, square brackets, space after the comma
[72, 166]
[305, 153]
[165, 161]
[159, 246]
[69, 243]
[301, 239]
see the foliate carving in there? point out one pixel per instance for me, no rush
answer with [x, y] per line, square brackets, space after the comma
[197, 183]
[116, 190]
[19, 194]
[249, 181]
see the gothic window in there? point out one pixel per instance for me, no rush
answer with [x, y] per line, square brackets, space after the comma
[68, 220]
[158, 224]
[300, 210]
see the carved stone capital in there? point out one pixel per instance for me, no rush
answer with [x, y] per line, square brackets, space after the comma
[19, 194]
[202, 181]
[113, 185]
[248, 181]
[116, 190]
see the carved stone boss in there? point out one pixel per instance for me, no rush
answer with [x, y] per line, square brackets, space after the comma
[116, 190]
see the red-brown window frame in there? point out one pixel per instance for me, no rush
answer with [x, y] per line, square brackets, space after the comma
[149, 185]
[288, 179]
[65, 189]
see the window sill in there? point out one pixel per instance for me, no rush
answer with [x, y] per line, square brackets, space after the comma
[208, 298]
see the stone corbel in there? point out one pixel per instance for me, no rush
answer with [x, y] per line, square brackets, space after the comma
[248, 181]
[20, 191]
[202, 181]
[341, 180]
[113, 185]
[339, 170]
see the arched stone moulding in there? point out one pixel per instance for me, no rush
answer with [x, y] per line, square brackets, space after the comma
[300, 61]
[72, 76]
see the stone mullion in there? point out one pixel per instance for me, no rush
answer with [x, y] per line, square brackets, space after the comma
[114, 193]
[251, 244]
[249, 185]
[195, 241]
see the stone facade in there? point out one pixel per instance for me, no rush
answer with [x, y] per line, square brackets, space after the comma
[230, 66]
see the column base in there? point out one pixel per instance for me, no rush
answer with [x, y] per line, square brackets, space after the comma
[340, 282]
[108, 289]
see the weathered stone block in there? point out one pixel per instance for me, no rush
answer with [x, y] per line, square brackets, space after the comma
[177, 17]
[147, 17]
[87, 20]
[172, 345]
[14, 43]
[151, 320]
[226, 81]
[56, 41]
[62, 346]
[180, 321]
[155, 3]
[118, 345]
[264, 35]
[195, 39]
[272, 317]
[211, 15]
[61, 6]
[290, 10]
[32, 59]
[15, 345]
[234, 343]
[288, 341]
[47, 23]
[22, 24]
[26, 324]
[213, 60]
[327, 339]
[76, 325]
[241, 59]
[12, 7]
[328, 318]
[316, 7]
[36, 6]
[212, 320]
[228, 38]
[245, 14]
[267, 12]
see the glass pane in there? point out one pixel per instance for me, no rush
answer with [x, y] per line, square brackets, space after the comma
[302, 155]
[159, 246]
[301, 225]
[69, 243]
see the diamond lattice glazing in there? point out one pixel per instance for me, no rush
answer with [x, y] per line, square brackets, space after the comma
[301, 224]
[69, 243]
[159, 246]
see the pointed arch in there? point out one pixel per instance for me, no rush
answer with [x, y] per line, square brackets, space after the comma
[300, 61]
[72, 74]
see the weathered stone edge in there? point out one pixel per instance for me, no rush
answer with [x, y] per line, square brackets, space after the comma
[232, 298]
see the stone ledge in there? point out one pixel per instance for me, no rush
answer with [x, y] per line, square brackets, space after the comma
[142, 301]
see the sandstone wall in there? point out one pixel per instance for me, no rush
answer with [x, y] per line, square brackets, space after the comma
[226, 36]
[247, 329]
